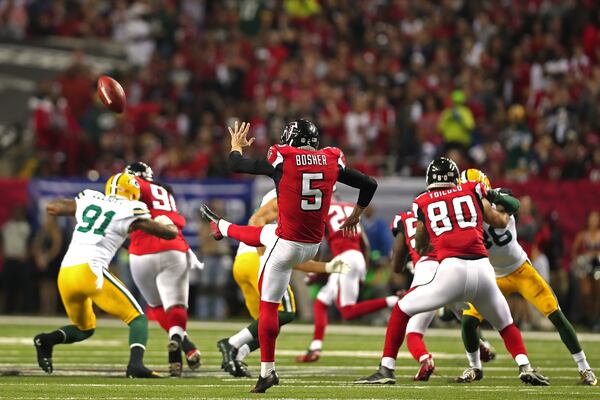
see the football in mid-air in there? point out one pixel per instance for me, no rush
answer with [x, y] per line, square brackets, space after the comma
[111, 93]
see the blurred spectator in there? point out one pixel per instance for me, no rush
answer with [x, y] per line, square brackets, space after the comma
[13, 19]
[48, 248]
[379, 235]
[585, 255]
[527, 224]
[210, 292]
[17, 273]
[456, 123]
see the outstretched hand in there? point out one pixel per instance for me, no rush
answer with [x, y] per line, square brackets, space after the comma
[238, 136]
[350, 225]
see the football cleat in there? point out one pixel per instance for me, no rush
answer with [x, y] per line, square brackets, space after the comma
[470, 375]
[530, 376]
[310, 356]
[486, 352]
[264, 383]
[194, 359]
[383, 376]
[588, 377]
[192, 354]
[44, 353]
[241, 369]
[425, 370]
[214, 219]
[140, 371]
[229, 353]
[175, 357]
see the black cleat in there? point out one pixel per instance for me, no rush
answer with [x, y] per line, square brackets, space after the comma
[264, 383]
[229, 353]
[470, 375]
[214, 219]
[241, 370]
[44, 352]
[140, 371]
[383, 376]
[530, 376]
[175, 357]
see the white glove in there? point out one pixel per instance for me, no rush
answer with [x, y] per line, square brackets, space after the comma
[410, 267]
[163, 219]
[193, 261]
[337, 266]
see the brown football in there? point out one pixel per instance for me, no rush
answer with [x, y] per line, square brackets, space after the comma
[111, 93]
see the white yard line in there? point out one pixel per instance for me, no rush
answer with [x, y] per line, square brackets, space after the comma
[349, 329]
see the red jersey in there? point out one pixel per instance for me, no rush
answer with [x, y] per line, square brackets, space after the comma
[454, 220]
[338, 243]
[159, 202]
[406, 223]
[304, 189]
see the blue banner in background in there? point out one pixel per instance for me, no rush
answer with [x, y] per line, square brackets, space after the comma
[234, 196]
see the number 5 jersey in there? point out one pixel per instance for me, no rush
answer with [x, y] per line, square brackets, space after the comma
[102, 227]
[160, 202]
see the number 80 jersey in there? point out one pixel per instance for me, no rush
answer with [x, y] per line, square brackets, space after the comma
[102, 227]
[160, 202]
[454, 220]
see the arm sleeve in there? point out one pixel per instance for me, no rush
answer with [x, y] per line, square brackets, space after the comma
[237, 163]
[510, 203]
[356, 179]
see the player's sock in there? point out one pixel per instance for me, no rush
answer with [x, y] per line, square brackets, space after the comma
[268, 329]
[470, 334]
[474, 359]
[241, 338]
[566, 331]
[316, 345]
[266, 367]
[581, 361]
[160, 316]
[514, 344]
[364, 307]
[253, 345]
[72, 334]
[416, 345]
[56, 337]
[247, 234]
[391, 301]
[243, 352]
[284, 317]
[176, 318]
[138, 331]
[394, 335]
[321, 320]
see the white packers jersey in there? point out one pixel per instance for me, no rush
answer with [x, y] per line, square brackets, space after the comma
[102, 227]
[243, 248]
[505, 252]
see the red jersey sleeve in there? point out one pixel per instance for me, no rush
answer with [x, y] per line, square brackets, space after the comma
[397, 226]
[480, 190]
[274, 156]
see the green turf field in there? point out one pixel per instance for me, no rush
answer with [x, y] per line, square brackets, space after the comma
[95, 368]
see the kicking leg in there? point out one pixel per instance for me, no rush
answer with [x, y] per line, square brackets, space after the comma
[415, 330]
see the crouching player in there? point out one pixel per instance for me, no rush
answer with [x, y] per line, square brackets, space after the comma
[103, 223]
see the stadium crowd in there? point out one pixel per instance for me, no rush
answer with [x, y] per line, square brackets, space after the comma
[508, 87]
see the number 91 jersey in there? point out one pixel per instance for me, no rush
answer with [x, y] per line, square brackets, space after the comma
[505, 252]
[102, 227]
[160, 202]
